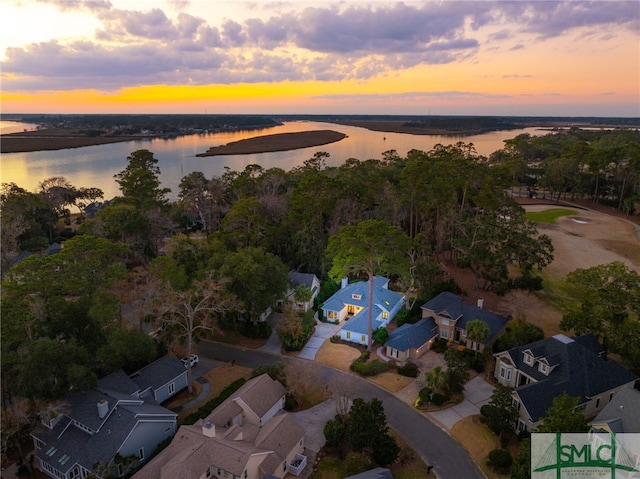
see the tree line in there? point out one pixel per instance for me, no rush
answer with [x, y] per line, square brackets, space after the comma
[136, 256]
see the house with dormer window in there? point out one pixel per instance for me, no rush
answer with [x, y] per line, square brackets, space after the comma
[111, 429]
[350, 305]
[542, 370]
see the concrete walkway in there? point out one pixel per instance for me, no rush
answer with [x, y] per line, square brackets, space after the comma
[477, 393]
[198, 400]
[322, 332]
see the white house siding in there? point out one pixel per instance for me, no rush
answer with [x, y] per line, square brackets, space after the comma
[353, 337]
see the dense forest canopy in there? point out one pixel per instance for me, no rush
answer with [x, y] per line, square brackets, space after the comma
[63, 313]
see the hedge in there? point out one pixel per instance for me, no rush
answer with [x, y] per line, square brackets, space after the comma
[205, 410]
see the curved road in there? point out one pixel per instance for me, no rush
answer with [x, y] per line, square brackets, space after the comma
[437, 448]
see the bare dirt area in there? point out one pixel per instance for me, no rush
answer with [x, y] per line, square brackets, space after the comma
[587, 239]
[583, 240]
[276, 142]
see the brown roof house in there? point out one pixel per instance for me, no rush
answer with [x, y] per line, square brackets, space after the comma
[249, 436]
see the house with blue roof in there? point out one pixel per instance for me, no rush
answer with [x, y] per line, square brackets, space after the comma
[350, 305]
[451, 317]
[545, 369]
[113, 428]
[410, 341]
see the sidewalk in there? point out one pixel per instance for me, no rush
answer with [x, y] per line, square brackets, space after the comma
[199, 400]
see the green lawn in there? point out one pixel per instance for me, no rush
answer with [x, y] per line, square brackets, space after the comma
[548, 216]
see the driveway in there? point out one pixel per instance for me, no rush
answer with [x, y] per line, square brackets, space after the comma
[322, 332]
[477, 393]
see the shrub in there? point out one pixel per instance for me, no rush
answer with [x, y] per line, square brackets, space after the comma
[438, 399]
[380, 335]
[290, 403]
[369, 368]
[409, 369]
[439, 345]
[500, 459]
[425, 395]
[385, 450]
[335, 338]
[334, 432]
[205, 410]
[487, 410]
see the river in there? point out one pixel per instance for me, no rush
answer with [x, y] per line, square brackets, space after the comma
[95, 166]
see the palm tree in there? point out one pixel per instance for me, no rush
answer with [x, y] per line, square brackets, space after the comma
[477, 331]
[436, 378]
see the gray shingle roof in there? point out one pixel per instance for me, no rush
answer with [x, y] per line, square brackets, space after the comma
[579, 372]
[74, 445]
[410, 336]
[158, 373]
[296, 278]
[623, 412]
[451, 305]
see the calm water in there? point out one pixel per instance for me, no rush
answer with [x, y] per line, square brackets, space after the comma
[96, 165]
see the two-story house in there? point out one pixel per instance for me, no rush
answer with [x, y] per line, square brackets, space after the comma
[545, 369]
[249, 436]
[113, 428]
[308, 280]
[351, 302]
[451, 317]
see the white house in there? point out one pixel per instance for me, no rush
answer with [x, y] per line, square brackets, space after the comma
[350, 304]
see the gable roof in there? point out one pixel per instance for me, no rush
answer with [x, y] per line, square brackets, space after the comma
[345, 295]
[158, 373]
[82, 436]
[579, 372]
[296, 278]
[622, 414]
[191, 452]
[450, 305]
[412, 336]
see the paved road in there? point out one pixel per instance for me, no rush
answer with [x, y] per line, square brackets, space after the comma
[448, 458]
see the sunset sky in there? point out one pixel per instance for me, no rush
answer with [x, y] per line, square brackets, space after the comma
[565, 58]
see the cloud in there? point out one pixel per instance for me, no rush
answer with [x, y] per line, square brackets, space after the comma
[334, 42]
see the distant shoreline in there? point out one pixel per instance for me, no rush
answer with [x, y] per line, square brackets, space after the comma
[276, 142]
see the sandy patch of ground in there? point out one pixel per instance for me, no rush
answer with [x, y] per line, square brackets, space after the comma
[391, 381]
[588, 239]
[339, 356]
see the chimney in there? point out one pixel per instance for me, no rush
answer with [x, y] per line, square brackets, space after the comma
[209, 429]
[480, 303]
[103, 408]
[345, 282]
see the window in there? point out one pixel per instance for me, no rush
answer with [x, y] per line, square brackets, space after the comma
[332, 315]
[246, 474]
[597, 403]
[356, 296]
[528, 359]
[75, 472]
[172, 388]
[348, 334]
[508, 374]
[543, 368]
[141, 453]
[444, 334]
[444, 321]
[208, 472]
[284, 465]
[40, 444]
[385, 315]
[610, 396]
[502, 372]
[363, 338]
